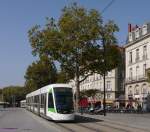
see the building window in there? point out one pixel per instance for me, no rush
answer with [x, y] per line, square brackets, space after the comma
[130, 73]
[144, 29]
[137, 71]
[137, 55]
[109, 96]
[144, 52]
[108, 85]
[137, 33]
[101, 86]
[136, 90]
[130, 91]
[144, 91]
[110, 74]
[96, 78]
[144, 69]
[130, 36]
[130, 57]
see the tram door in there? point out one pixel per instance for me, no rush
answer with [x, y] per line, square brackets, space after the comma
[38, 104]
[45, 98]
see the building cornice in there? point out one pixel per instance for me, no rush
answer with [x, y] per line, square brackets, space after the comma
[136, 41]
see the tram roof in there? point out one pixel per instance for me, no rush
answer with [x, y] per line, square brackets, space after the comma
[23, 101]
[45, 89]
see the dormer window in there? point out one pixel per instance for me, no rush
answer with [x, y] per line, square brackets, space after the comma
[144, 29]
[137, 33]
[130, 36]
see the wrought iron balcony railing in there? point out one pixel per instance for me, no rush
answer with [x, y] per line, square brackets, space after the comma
[136, 79]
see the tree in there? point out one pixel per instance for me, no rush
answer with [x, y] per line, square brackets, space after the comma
[62, 77]
[13, 94]
[1, 95]
[40, 73]
[73, 41]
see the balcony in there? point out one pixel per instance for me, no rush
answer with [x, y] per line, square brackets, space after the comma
[136, 79]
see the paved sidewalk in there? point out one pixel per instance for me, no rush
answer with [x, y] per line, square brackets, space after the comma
[132, 120]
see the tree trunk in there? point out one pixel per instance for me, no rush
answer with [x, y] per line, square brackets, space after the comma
[77, 82]
[77, 93]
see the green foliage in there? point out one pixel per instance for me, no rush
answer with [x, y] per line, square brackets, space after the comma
[77, 42]
[113, 59]
[68, 40]
[62, 77]
[40, 73]
[12, 93]
[1, 99]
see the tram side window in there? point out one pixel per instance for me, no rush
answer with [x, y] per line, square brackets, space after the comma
[50, 101]
[35, 100]
[42, 100]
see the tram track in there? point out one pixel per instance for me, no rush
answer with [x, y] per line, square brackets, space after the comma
[65, 128]
[127, 126]
[103, 128]
[114, 125]
[117, 125]
[76, 127]
[95, 126]
[89, 124]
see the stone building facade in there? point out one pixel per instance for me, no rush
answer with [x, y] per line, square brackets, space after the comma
[113, 82]
[137, 61]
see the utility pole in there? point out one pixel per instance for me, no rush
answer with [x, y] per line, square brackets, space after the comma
[104, 73]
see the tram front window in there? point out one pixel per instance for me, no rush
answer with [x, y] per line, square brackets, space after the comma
[64, 100]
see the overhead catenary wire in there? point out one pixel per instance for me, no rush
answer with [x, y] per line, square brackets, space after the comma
[107, 6]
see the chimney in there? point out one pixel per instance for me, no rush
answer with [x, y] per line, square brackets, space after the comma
[129, 27]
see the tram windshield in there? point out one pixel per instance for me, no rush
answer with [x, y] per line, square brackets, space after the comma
[64, 100]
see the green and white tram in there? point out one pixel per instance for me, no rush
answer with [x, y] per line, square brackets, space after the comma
[53, 102]
[23, 103]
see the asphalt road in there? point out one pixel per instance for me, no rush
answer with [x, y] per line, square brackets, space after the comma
[21, 120]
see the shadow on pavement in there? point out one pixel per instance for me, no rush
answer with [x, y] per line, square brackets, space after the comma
[83, 119]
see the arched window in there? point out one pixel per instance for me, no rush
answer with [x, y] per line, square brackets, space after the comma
[136, 90]
[144, 89]
[130, 90]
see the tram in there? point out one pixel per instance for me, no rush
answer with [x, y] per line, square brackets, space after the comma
[54, 102]
[23, 103]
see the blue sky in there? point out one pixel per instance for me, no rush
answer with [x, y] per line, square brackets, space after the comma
[18, 16]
